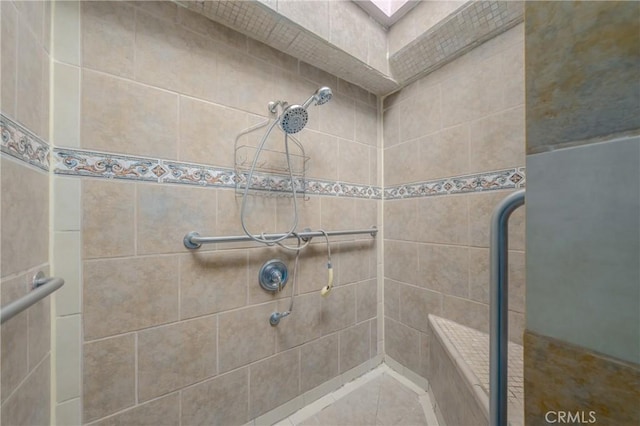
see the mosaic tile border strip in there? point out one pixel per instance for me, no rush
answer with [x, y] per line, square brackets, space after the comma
[488, 181]
[18, 142]
[469, 26]
[73, 162]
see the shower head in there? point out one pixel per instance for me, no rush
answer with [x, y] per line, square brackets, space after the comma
[321, 97]
[294, 118]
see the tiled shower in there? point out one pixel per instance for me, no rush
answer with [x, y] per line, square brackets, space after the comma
[118, 128]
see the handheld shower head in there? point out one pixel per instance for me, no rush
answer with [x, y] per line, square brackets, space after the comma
[321, 97]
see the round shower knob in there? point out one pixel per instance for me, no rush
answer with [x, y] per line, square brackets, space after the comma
[273, 275]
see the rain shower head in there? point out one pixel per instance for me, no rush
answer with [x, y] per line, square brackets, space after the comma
[294, 118]
[321, 97]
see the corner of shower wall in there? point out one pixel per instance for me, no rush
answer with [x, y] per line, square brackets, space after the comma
[453, 147]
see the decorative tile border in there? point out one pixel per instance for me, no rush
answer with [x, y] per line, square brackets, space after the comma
[501, 179]
[72, 162]
[341, 189]
[22, 144]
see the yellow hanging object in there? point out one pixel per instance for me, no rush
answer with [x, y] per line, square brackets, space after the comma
[327, 289]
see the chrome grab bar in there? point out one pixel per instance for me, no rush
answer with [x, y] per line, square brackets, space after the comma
[41, 288]
[193, 240]
[499, 334]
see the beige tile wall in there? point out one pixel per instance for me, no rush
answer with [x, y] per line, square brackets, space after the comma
[467, 117]
[24, 226]
[130, 234]
[198, 315]
[164, 327]
[343, 24]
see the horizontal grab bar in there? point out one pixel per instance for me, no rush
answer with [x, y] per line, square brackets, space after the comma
[193, 240]
[42, 287]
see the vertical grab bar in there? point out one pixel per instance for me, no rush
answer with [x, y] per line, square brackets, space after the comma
[499, 334]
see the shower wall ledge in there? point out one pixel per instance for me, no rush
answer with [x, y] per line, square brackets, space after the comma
[361, 55]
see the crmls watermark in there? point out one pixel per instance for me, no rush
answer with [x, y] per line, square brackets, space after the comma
[572, 417]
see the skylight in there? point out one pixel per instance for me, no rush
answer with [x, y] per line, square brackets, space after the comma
[387, 12]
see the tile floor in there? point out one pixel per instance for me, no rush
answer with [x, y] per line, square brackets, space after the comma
[381, 397]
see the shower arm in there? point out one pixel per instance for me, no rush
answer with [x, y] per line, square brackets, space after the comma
[193, 240]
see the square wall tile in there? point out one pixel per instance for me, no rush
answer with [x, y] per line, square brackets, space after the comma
[212, 282]
[443, 220]
[25, 217]
[299, 329]
[107, 218]
[273, 382]
[108, 377]
[208, 132]
[126, 117]
[497, 141]
[401, 219]
[313, 16]
[401, 261]
[121, 295]
[417, 304]
[444, 154]
[402, 163]
[347, 22]
[188, 356]
[402, 343]
[160, 208]
[318, 362]
[223, 400]
[245, 336]
[353, 162]
[339, 119]
[18, 410]
[108, 38]
[354, 346]
[444, 269]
